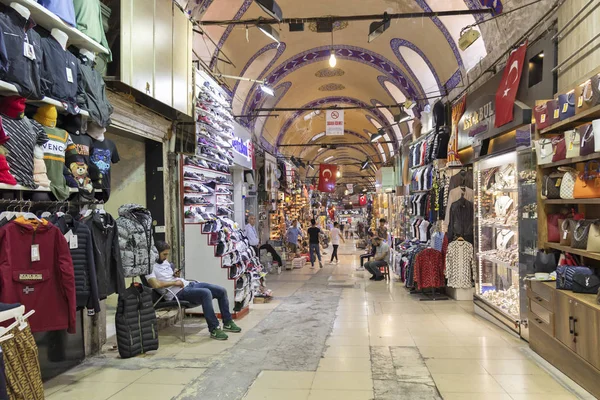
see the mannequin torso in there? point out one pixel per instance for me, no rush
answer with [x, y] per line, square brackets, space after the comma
[24, 11]
[60, 37]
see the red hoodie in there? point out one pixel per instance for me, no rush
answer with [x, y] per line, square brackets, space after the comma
[46, 286]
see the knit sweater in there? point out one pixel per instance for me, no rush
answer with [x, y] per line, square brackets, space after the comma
[59, 143]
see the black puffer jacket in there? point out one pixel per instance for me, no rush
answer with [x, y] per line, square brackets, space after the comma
[136, 322]
[86, 281]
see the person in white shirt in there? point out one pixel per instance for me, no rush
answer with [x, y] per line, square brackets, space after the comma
[380, 259]
[251, 232]
[166, 280]
[336, 235]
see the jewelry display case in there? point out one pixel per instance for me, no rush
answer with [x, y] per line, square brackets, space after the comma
[497, 238]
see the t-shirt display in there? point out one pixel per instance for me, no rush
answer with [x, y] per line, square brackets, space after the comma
[103, 154]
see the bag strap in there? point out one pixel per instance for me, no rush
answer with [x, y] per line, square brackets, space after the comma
[577, 229]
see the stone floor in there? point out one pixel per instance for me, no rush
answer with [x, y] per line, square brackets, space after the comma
[329, 334]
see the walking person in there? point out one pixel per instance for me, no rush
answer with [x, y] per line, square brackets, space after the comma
[380, 259]
[293, 233]
[335, 234]
[313, 243]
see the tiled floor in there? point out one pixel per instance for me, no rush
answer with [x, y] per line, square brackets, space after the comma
[383, 344]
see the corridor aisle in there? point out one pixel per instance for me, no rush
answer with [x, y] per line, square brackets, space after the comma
[329, 334]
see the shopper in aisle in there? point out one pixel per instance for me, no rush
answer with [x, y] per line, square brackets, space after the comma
[292, 235]
[380, 259]
[164, 276]
[382, 231]
[250, 231]
[335, 234]
[314, 245]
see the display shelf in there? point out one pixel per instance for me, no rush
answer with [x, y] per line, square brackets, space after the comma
[571, 201]
[576, 120]
[193, 167]
[579, 252]
[210, 159]
[48, 20]
[222, 134]
[574, 160]
[498, 226]
[7, 88]
[4, 186]
[499, 262]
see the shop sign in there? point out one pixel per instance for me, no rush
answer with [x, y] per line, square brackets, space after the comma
[242, 147]
[334, 123]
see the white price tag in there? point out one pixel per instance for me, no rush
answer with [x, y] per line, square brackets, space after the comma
[525, 215]
[565, 234]
[73, 242]
[69, 75]
[28, 51]
[35, 252]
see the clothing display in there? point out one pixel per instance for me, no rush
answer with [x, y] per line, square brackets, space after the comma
[102, 155]
[461, 220]
[91, 95]
[460, 265]
[5, 174]
[22, 366]
[429, 269]
[60, 73]
[88, 15]
[136, 240]
[63, 8]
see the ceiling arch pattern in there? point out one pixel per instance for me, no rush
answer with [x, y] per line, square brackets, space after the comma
[397, 43]
[346, 132]
[245, 6]
[319, 54]
[280, 47]
[337, 157]
[390, 119]
[258, 124]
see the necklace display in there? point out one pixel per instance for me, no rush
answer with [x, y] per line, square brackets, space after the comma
[503, 204]
[504, 236]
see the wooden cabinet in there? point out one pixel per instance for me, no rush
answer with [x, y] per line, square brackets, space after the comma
[563, 329]
[586, 333]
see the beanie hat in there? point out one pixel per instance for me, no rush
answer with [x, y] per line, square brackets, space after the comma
[46, 115]
[13, 106]
[5, 175]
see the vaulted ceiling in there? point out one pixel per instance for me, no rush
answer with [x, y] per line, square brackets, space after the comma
[414, 59]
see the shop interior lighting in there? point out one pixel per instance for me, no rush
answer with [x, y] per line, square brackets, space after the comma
[267, 90]
[312, 114]
[328, 158]
[402, 116]
[409, 104]
[338, 174]
[263, 85]
[364, 165]
[271, 8]
[377, 135]
[321, 149]
[311, 166]
[364, 190]
[317, 136]
[378, 27]
[332, 59]
[269, 31]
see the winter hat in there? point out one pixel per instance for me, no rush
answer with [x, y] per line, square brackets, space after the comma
[5, 175]
[13, 106]
[3, 137]
[46, 115]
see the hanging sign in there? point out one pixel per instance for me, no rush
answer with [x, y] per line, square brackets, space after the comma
[334, 123]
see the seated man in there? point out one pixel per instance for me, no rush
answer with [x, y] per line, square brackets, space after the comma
[368, 254]
[380, 259]
[197, 293]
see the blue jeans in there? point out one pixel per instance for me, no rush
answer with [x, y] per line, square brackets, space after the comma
[314, 248]
[373, 268]
[202, 294]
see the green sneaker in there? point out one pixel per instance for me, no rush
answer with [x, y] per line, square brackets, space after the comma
[231, 327]
[218, 334]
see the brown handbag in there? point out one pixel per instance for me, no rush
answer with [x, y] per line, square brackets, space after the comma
[587, 185]
[566, 227]
[584, 97]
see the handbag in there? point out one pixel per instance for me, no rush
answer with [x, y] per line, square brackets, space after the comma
[567, 183]
[587, 185]
[559, 149]
[595, 90]
[596, 128]
[587, 145]
[573, 142]
[553, 111]
[566, 226]
[544, 151]
[580, 234]
[593, 242]
[564, 276]
[566, 102]
[550, 190]
[542, 119]
[582, 283]
[584, 95]
[552, 225]
[567, 259]
[545, 262]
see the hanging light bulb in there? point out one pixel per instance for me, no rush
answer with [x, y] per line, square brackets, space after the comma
[332, 59]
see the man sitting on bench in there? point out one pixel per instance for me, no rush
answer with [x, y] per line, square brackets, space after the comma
[380, 259]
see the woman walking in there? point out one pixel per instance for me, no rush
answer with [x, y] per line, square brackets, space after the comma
[335, 235]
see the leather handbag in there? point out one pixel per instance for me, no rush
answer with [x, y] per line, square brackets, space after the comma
[566, 227]
[587, 145]
[564, 276]
[595, 90]
[582, 283]
[567, 260]
[587, 185]
[567, 183]
[544, 151]
[593, 243]
[545, 262]
[542, 118]
[580, 234]
[553, 111]
[573, 142]
[552, 225]
[550, 188]
[566, 102]
[584, 96]
[559, 149]
[596, 130]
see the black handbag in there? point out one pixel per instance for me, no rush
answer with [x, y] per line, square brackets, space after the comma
[581, 233]
[545, 262]
[550, 190]
[589, 284]
[566, 274]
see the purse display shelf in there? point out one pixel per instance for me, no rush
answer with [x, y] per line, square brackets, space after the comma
[579, 252]
[571, 201]
[574, 160]
[574, 121]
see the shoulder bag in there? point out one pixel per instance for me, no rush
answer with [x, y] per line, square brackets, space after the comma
[544, 151]
[572, 143]
[580, 234]
[566, 103]
[553, 111]
[542, 119]
[550, 190]
[593, 242]
[552, 225]
[587, 145]
[584, 96]
[567, 260]
[595, 90]
[596, 129]
[567, 183]
[587, 184]
[564, 276]
[583, 283]
[545, 262]
[559, 149]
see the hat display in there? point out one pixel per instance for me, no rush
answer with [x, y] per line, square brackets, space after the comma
[46, 115]
[13, 106]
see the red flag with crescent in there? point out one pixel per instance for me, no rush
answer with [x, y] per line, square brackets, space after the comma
[507, 91]
[327, 173]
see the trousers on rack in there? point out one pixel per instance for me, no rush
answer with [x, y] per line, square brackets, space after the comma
[21, 366]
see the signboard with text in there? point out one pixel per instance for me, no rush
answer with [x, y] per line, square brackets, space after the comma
[334, 123]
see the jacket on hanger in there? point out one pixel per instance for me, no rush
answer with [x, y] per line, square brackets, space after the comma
[59, 73]
[107, 255]
[138, 253]
[36, 271]
[92, 93]
[82, 254]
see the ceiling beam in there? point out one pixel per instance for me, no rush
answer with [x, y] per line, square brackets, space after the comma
[336, 145]
[368, 17]
[334, 107]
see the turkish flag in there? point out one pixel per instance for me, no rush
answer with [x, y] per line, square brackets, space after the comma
[362, 200]
[327, 173]
[507, 91]
[495, 5]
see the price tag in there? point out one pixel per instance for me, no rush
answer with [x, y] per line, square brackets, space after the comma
[558, 181]
[73, 242]
[565, 107]
[580, 101]
[35, 252]
[571, 146]
[565, 234]
[543, 118]
[556, 113]
[69, 75]
[28, 51]
[525, 215]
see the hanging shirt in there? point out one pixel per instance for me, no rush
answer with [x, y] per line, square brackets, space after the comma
[460, 264]
[429, 269]
[92, 93]
[103, 155]
[88, 14]
[60, 72]
[59, 145]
